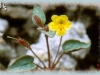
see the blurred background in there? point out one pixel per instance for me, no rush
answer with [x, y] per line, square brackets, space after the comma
[16, 21]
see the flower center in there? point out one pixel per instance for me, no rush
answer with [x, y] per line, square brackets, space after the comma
[61, 28]
[61, 21]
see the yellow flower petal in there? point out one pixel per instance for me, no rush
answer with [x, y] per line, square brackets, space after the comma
[61, 32]
[52, 26]
[54, 17]
[68, 25]
[64, 17]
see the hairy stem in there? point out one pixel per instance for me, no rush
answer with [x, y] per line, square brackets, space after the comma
[38, 57]
[58, 60]
[57, 51]
[38, 66]
[48, 50]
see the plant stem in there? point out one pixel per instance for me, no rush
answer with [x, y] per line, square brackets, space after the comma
[38, 66]
[48, 51]
[38, 57]
[58, 60]
[57, 51]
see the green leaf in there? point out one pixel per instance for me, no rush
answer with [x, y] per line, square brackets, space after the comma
[73, 45]
[38, 12]
[48, 33]
[24, 63]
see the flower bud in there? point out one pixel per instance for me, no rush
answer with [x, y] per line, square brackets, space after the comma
[21, 41]
[38, 20]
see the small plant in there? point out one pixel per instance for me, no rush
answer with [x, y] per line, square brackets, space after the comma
[58, 26]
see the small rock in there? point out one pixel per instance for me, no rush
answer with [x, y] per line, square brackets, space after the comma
[6, 54]
[17, 12]
[2, 67]
[3, 25]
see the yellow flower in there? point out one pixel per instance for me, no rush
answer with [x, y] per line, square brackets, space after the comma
[59, 24]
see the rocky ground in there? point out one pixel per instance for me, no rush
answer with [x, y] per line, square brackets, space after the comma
[16, 21]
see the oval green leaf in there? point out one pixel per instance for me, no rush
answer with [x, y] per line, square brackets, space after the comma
[38, 12]
[73, 45]
[24, 63]
[50, 33]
